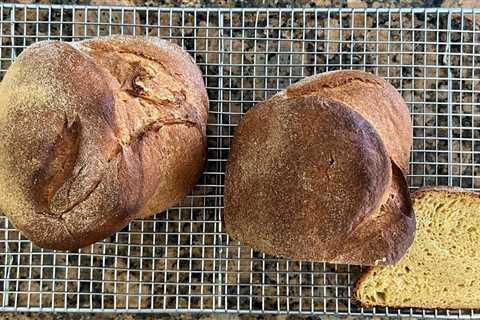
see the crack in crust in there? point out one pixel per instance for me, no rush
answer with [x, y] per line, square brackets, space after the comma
[65, 149]
[71, 206]
[145, 100]
[75, 176]
[153, 126]
[131, 84]
[306, 86]
[60, 219]
[58, 166]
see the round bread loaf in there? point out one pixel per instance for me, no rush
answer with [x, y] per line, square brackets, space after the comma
[96, 133]
[311, 177]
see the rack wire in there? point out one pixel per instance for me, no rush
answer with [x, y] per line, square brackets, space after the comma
[180, 260]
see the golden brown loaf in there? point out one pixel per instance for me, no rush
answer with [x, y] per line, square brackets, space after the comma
[96, 133]
[315, 174]
[441, 269]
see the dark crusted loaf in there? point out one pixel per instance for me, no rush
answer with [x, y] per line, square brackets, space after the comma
[96, 133]
[315, 174]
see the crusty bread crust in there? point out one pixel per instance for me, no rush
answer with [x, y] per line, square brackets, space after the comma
[177, 87]
[282, 198]
[416, 196]
[371, 96]
[421, 192]
[96, 133]
[388, 232]
[283, 149]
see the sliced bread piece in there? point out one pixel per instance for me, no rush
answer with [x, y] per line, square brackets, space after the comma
[442, 267]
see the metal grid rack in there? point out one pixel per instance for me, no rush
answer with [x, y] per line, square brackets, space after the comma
[180, 260]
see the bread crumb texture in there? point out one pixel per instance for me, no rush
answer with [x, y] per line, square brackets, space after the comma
[442, 267]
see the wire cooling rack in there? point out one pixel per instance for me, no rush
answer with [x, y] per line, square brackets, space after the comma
[180, 260]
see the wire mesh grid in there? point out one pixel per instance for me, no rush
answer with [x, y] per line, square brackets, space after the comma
[180, 260]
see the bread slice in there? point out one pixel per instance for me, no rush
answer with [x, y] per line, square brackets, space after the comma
[442, 267]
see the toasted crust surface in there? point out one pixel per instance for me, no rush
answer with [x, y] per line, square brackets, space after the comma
[95, 133]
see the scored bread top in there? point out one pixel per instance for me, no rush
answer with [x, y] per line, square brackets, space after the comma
[95, 133]
[302, 175]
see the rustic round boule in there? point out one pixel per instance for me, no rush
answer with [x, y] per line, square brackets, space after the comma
[317, 172]
[96, 133]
